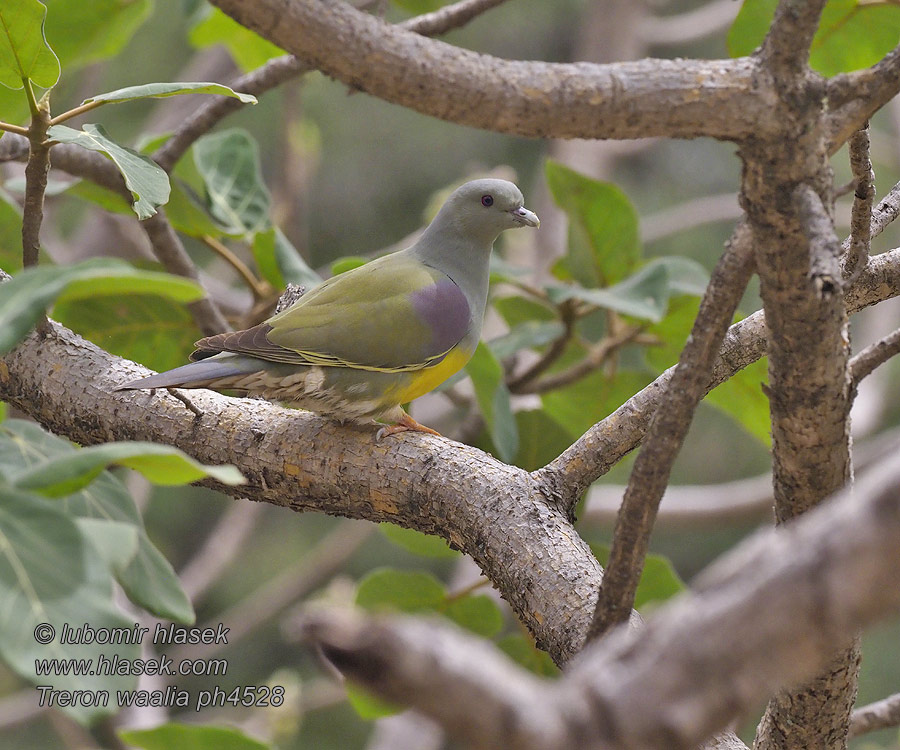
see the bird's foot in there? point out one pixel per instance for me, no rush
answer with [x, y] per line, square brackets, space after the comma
[404, 424]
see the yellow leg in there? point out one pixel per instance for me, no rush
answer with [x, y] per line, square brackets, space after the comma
[403, 424]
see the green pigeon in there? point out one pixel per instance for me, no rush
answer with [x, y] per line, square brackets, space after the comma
[366, 341]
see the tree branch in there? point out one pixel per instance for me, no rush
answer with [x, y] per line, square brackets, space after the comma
[772, 610]
[650, 474]
[673, 98]
[785, 50]
[863, 197]
[883, 714]
[873, 356]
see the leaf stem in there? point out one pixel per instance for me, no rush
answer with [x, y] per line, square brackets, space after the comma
[260, 289]
[80, 110]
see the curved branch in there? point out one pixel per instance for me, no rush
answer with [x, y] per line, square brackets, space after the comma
[502, 516]
[675, 98]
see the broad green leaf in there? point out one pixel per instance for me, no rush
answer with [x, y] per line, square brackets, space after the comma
[368, 706]
[25, 297]
[115, 541]
[517, 310]
[851, 34]
[143, 177]
[149, 579]
[189, 214]
[659, 580]
[645, 295]
[523, 651]
[101, 196]
[493, 400]
[50, 573]
[480, 614]
[144, 328]
[348, 263]
[85, 32]
[24, 52]
[279, 261]
[161, 464]
[248, 49]
[236, 195]
[425, 545]
[541, 439]
[191, 737]
[402, 590]
[603, 227]
[686, 276]
[10, 234]
[161, 90]
[526, 335]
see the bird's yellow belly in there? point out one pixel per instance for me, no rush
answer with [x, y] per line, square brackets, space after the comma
[422, 381]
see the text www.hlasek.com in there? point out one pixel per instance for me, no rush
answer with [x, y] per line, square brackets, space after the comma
[115, 665]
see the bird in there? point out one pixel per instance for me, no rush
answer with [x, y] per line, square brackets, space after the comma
[364, 342]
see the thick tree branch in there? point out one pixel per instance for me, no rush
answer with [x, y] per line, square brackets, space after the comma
[650, 474]
[863, 197]
[772, 611]
[282, 69]
[785, 50]
[683, 98]
[854, 97]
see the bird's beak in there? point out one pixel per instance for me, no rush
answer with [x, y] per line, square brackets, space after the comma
[522, 215]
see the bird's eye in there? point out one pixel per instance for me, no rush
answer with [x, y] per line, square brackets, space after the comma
[487, 200]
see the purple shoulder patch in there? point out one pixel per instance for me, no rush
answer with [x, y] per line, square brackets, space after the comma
[444, 308]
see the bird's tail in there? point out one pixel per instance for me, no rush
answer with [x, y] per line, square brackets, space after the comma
[195, 375]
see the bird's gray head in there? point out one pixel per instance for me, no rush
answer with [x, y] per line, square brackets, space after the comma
[482, 209]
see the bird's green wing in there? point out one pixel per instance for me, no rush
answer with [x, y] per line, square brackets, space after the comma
[395, 314]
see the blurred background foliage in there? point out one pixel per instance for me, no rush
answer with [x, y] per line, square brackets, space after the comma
[316, 179]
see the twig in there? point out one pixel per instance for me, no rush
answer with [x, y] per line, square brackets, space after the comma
[592, 361]
[824, 248]
[873, 356]
[284, 68]
[35, 178]
[10, 128]
[172, 255]
[519, 383]
[883, 714]
[670, 424]
[219, 549]
[190, 405]
[260, 289]
[864, 195]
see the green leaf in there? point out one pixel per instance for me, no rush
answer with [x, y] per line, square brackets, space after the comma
[516, 310]
[405, 591]
[50, 573]
[367, 705]
[161, 90]
[191, 737]
[418, 7]
[480, 614]
[236, 195]
[659, 579]
[25, 297]
[493, 400]
[851, 34]
[280, 262]
[148, 580]
[523, 651]
[248, 49]
[144, 328]
[645, 295]
[117, 542]
[24, 52]
[143, 177]
[603, 227]
[101, 196]
[425, 545]
[85, 32]
[527, 335]
[161, 464]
